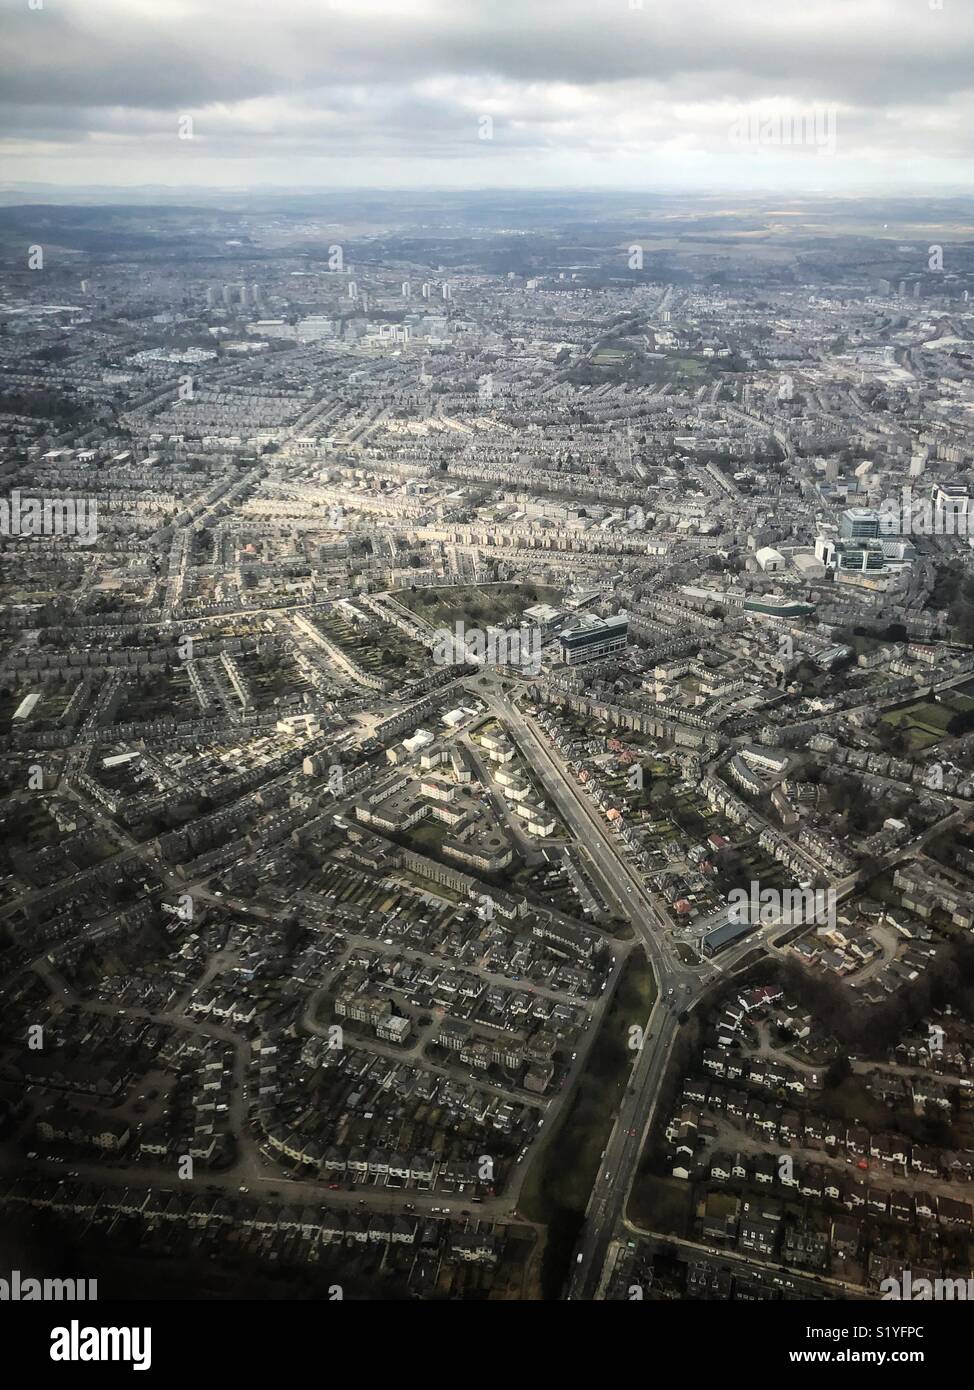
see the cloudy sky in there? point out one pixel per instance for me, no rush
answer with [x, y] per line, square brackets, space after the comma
[875, 94]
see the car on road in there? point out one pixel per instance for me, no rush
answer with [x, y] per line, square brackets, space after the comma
[241, 1188]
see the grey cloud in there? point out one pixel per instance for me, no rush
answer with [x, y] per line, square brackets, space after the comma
[369, 77]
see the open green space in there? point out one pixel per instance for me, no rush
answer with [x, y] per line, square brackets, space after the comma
[925, 722]
[661, 1204]
[564, 1169]
[476, 604]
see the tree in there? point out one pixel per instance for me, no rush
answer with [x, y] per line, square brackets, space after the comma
[837, 1072]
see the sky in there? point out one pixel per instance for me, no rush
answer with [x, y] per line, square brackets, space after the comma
[837, 96]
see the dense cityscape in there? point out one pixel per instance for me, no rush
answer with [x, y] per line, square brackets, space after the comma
[487, 745]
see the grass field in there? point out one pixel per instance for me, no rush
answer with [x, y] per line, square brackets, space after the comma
[474, 604]
[686, 366]
[925, 723]
[661, 1204]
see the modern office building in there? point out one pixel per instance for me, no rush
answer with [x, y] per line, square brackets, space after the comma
[951, 507]
[594, 639]
[859, 524]
[866, 556]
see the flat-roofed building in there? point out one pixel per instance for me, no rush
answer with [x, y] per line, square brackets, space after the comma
[594, 639]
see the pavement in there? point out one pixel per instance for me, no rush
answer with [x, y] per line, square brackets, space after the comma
[678, 987]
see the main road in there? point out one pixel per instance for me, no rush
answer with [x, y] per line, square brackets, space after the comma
[678, 988]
